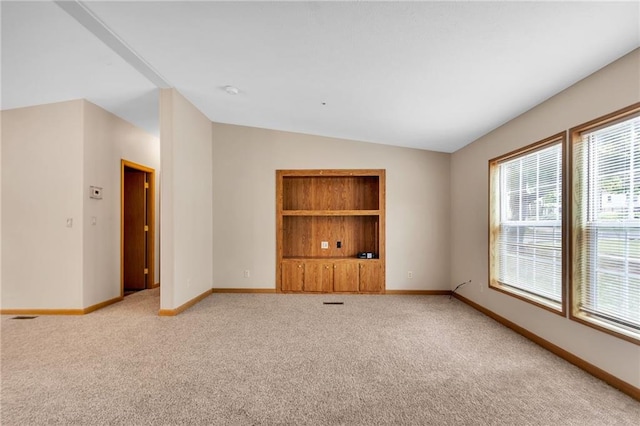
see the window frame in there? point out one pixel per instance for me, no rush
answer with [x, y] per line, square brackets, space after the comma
[494, 224]
[574, 288]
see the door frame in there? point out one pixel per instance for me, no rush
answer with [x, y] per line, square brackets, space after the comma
[151, 212]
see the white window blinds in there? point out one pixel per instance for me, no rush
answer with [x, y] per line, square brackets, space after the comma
[529, 243]
[606, 225]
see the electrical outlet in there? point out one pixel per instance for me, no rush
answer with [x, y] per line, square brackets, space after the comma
[410, 274]
[247, 273]
[324, 245]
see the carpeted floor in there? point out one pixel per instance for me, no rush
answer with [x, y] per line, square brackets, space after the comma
[270, 359]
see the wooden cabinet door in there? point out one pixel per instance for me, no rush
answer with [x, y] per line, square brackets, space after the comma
[370, 277]
[345, 277]
[292, 276]
[327, 277]
[312, 276]
[318, 277]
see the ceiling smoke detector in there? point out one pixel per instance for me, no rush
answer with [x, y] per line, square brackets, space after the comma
[231, 90]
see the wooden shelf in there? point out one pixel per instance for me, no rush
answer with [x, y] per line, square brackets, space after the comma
[328, 258]
[302, 235]
[324, 218]
[331, 212]
[325, 192]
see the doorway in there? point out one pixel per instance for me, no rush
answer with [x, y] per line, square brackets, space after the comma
[137, 228]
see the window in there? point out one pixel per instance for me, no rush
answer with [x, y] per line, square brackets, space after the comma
[605, 224]
[526, 232]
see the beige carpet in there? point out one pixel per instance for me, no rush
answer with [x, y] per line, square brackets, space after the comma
[268, 359]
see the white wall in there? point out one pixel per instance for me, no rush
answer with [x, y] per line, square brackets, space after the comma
[186, 200]
[245, 161]
[612, 88]
[41, 189]
[107, 140]
[52, 154]
[0, 208]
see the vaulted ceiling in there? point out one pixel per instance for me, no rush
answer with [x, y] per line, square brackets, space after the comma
[429, 75]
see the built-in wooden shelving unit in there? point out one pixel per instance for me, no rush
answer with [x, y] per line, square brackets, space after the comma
[345, 210]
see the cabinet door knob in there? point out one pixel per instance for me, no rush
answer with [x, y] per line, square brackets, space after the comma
[299, 266]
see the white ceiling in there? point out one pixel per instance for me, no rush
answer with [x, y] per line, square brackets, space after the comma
[429, 75]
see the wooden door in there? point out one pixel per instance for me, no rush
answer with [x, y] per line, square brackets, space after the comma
[318, 277]
[345, 277]
[134, 222]
[292, 276]
[370, 277]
